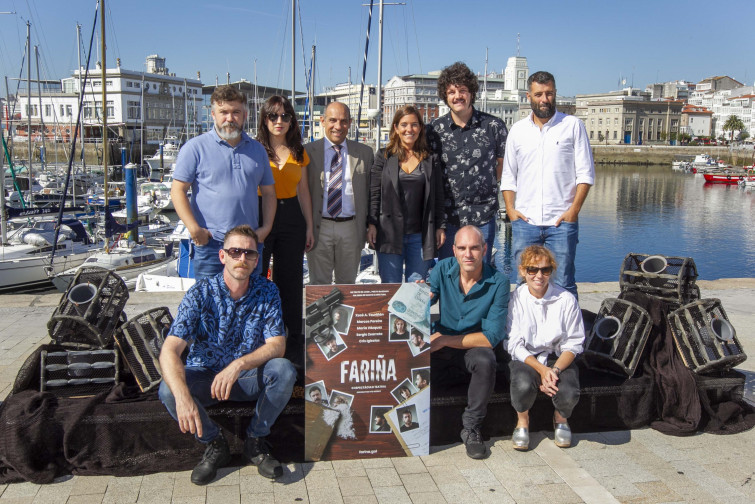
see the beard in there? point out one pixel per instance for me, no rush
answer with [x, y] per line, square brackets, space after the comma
[546, 113]
[228, 135]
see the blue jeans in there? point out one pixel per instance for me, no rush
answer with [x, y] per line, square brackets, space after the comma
[270, 385]
[391, 266]
[488, 229]
[207, 261]
[561, 240]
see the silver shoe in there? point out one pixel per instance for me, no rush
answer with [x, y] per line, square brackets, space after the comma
[562, 435]
[521, 438]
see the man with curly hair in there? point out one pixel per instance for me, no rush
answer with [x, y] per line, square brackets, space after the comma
[232, 325]
[470, 144]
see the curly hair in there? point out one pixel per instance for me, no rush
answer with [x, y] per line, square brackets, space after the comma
[227, 94]
[457, 74]
[532, 253]
[293, 136]
[395, 148]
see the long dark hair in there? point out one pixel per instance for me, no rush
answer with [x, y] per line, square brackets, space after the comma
[293, 135]
[395, 148]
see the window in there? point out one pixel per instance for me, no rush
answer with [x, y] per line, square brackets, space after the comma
[69, 111]
[134, 110]
[615, 121]
[614, 135]
[592, 134]
[110, 109]
[61, 111]
[48, 110]
[31, 110]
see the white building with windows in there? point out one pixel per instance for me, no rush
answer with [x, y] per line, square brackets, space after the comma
[156, 102]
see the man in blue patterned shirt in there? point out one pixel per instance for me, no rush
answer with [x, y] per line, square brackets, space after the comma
[470, 144]
[231, 323]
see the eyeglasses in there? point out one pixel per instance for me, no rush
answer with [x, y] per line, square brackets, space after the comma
[286, 118]
[236, 252]
[545, 270]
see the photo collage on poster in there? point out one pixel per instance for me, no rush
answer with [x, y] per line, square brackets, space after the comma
[367, 371]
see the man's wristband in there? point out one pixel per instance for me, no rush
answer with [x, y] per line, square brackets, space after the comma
[556, 370]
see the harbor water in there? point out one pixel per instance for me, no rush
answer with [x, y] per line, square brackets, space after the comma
[654, 210]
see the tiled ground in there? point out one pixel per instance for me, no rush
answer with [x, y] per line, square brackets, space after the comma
[638, 466]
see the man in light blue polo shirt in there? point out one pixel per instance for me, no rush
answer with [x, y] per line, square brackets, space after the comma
[223, 168]
[474, 300]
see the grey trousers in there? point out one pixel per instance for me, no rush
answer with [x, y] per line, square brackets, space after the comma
[525, 384]
[338, 251]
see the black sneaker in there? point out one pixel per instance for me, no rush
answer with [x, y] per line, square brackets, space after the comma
[257, 452]
[472, 440]
[215, 456]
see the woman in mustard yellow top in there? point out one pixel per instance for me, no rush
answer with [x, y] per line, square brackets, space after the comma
[278, 131]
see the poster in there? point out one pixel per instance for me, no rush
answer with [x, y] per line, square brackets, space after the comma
[367, 371]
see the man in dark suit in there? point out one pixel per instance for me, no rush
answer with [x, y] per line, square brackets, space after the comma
[339, 182]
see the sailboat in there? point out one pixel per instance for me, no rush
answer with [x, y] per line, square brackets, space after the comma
[29, 244]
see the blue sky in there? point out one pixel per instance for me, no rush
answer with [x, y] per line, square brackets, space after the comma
[587, 45]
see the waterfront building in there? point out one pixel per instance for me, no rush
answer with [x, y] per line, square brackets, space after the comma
[725, 97]
[157, 102]
[674, 90]
[696, 121]
[628, 116]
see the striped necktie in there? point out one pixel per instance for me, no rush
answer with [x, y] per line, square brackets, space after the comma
[335, 183]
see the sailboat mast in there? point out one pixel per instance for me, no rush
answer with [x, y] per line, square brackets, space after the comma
[41, 116]
[105, 150]
[81, 91]
[293, 53]
[28, 107]
[379, 77]
[485, 84]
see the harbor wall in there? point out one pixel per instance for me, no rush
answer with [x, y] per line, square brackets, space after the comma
[665, 154]
[92, 152]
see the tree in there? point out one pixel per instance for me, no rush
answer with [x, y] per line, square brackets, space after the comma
[744, 135]
[732, 124]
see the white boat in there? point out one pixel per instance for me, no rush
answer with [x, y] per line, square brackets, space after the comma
[164, 278]
[126, 258]
[25, 260]
[156, 194]
[170, 154]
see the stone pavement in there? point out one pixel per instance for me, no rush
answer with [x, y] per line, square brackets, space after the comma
[637, 466]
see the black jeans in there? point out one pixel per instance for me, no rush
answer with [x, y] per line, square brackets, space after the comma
[285, 244]
[525, 384]
[450, 366]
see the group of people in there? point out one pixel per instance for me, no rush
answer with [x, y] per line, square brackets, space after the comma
[431, 193]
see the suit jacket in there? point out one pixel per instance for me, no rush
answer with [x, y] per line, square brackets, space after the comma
[385, 204]
[360, 162]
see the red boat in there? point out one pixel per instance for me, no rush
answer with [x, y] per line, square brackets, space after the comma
[724, 178]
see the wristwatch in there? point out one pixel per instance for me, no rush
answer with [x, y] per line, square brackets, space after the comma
[556, 370]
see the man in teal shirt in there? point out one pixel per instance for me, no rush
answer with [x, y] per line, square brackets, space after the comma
[474, 300]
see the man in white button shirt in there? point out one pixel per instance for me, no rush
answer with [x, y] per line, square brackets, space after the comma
[547, 172]
[339, 182]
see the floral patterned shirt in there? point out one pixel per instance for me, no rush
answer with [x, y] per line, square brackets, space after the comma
[469, 157]
[220, 329]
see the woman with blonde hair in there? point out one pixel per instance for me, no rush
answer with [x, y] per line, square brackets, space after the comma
[546, 333]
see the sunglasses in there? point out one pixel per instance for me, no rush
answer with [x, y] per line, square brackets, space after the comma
[545, 270]
[236, 252]
[286, 118]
